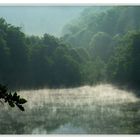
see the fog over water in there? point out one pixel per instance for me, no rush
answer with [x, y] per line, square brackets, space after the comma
[101, 109]
[102, 106]
[100, 94]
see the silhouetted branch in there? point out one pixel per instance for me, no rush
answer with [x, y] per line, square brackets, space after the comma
[12, 98]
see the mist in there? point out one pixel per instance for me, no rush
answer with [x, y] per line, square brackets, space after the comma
[101, 109]
[51, 19]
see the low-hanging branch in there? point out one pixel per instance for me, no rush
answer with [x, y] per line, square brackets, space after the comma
[11, 98]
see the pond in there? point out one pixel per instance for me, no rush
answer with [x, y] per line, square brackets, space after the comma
[101, 109]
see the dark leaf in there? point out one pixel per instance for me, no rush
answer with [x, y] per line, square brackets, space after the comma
[22, 101]
[11, 103]
[14, 96]
[20, 107]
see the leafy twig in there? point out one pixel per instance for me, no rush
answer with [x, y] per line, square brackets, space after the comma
[11, 98]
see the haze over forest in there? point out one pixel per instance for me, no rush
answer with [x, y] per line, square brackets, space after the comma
[30, 18]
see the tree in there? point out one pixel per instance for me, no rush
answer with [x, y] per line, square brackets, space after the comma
[101, 45]
[136, 59]
[66, 69]
[93, 71]
[119, 66]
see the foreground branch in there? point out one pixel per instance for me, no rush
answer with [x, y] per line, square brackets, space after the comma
[11, 98]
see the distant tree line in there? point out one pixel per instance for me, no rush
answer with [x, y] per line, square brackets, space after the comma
[99, 47]
[31, 61]
[112, 38]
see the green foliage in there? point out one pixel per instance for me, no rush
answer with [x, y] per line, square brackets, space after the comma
[35, 62]
[112, 35]
[102, 45]
[110, 20]
[136, 59]
[11, 98]
[93, 71]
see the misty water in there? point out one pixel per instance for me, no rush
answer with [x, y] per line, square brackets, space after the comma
[101, 109]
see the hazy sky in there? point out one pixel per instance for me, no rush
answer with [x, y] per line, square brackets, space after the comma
[39, 20]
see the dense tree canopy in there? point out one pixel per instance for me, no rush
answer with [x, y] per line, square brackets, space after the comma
[36, 62]
[102, 45]
[112, 36]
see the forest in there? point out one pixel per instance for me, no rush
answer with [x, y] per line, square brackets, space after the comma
[102, 45]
